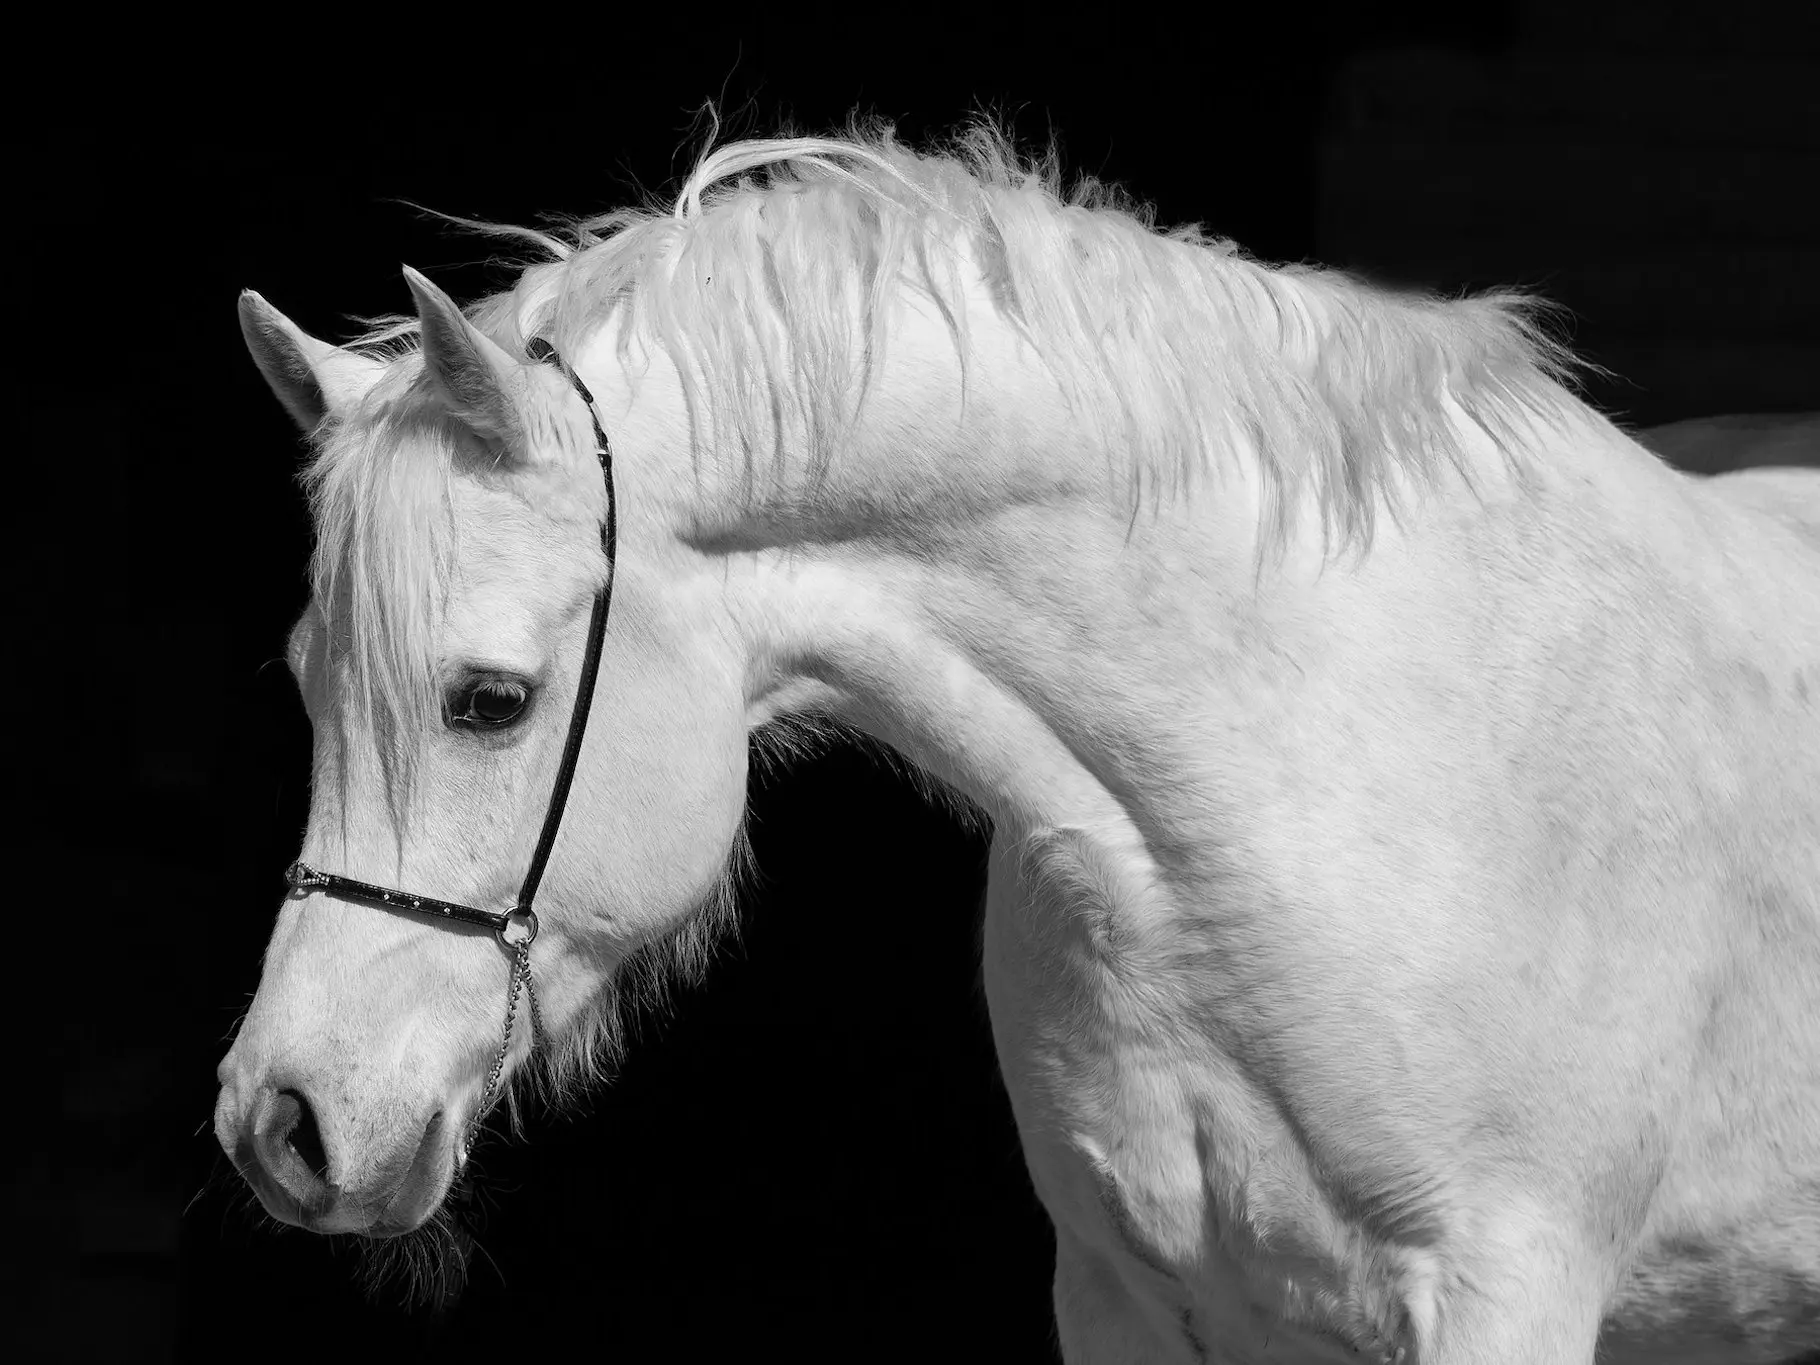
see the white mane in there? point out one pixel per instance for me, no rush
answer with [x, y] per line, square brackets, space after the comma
[1166, 343]
[771, 283]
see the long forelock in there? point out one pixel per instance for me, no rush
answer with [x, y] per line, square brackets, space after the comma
[380, 489]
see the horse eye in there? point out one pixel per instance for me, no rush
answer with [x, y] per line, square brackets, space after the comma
[489, 704]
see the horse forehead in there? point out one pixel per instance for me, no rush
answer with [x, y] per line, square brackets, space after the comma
[502, 620]
[507, 532]
[516, 571]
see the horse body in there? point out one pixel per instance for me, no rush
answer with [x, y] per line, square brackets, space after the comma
[1403, 930]
[1383, 1012]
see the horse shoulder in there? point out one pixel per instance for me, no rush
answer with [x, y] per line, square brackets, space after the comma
[1189, 1208]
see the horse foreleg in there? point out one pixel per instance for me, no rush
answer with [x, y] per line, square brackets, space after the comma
[1529, 1302]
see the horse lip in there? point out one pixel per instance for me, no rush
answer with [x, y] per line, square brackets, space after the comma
[278, 1201]
[418, 1189]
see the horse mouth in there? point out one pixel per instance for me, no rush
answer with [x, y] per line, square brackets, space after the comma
[426, 1181]
[392, 1206]
[280, 1202]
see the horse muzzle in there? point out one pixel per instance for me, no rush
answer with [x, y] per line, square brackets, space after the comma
[277, 1141]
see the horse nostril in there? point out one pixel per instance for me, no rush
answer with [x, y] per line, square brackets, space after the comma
[289, 1145]
[303, 1137]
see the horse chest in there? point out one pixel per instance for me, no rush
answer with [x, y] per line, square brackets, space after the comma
[1160, 1162]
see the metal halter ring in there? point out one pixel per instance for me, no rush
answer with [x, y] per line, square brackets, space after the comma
[523, 915]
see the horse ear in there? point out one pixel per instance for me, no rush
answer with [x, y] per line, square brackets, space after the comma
[310, 377]
[480, 380]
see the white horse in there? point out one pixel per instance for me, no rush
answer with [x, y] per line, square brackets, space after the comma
[1403, 931]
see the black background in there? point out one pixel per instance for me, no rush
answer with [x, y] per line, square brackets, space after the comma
[813, 1157]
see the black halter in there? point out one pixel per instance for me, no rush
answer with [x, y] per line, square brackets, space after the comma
[303, 877]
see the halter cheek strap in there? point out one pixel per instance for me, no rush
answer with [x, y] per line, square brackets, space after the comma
[305, 878]
[541, 350]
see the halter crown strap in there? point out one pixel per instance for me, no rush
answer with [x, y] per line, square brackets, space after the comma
[303, 877]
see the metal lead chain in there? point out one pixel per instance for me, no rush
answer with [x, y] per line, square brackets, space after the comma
[521, 976]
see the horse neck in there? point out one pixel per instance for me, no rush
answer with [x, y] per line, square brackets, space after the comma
[972, 587]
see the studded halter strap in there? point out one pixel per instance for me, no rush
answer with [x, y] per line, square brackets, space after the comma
[515, 928]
